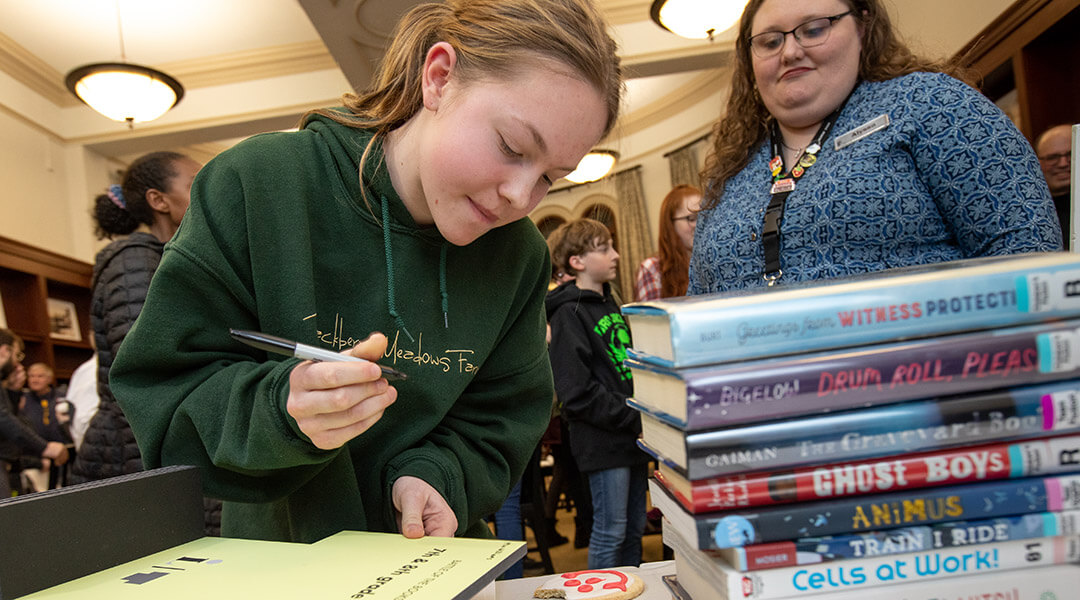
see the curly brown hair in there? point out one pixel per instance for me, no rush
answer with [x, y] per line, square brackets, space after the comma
[746, 121]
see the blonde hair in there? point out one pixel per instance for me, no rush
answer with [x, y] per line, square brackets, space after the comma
[491, 38]
[746, 120]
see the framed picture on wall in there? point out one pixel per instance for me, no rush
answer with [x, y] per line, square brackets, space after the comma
[63, 320]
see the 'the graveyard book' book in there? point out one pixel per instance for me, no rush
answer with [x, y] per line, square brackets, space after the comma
[981, 417]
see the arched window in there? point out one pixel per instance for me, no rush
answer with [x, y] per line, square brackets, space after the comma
[548, 224]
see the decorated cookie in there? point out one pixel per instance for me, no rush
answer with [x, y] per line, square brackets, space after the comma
[601, 584]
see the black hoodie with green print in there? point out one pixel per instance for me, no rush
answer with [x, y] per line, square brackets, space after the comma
[589, 338]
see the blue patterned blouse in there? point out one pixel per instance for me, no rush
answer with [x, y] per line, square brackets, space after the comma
[949, 178]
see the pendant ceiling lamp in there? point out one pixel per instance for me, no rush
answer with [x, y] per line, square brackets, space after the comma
[123, 91]
[696, 19]
[594, 165]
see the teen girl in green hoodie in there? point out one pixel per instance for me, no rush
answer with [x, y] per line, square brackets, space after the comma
[403, 213]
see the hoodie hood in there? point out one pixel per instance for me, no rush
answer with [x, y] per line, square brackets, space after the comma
[570, 292]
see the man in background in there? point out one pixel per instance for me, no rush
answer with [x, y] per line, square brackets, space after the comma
[1054, 148]
[15, 435]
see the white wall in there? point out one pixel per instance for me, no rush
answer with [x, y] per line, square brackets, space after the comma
[45, 199]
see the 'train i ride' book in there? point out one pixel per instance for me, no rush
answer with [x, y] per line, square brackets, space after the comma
[1008, 414]
[727, 394]
[814, 550]
[972, 294]
[858, 514]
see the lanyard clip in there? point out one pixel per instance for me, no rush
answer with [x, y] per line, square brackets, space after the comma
[772, 278]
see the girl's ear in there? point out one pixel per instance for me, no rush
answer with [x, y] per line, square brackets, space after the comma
[438, 68]
[157, 201]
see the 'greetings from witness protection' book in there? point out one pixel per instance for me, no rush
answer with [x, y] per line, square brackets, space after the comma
[1057, 582]
[1046, 456]
[981, 293]
[773, 388]
[1012, 414]
[871, 575]
[860, 514]
[811, 551]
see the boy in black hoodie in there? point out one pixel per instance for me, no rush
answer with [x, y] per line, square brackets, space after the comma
[588, 344]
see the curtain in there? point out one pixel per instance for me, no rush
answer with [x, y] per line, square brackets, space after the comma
[684, 165]
[636, 240]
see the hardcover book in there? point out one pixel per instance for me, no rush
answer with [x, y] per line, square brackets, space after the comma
[1056, 582]
[1008, 414]
[971, 294]
[773, 388]
[871, 574]
[349, 564]
[726, 529]
[1046, 456]
[810, 551]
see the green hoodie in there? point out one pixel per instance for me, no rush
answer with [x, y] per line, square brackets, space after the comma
[279, 239]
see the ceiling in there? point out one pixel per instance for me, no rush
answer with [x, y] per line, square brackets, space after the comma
[256, 65]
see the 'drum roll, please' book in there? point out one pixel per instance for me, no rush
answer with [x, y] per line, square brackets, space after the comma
[1045, 456]
[872, 575]
[727, 394]
[812, 551]
[858, 514]
[971, 294]
[1009, 414]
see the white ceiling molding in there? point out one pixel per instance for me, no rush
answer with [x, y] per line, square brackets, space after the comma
[34, 73]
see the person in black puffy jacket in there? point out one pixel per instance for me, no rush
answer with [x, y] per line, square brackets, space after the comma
[146, 209]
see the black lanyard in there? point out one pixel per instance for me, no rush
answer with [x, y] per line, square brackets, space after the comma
[782, 186]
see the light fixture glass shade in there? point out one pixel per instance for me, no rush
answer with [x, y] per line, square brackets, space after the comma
[125, 92]
[696, 19]
[594, 165]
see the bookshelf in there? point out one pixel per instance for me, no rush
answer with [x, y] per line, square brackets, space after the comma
[29, 277]
[1031, 48]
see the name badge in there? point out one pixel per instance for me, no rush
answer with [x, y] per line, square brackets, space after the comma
[784, 185]
[873, 125]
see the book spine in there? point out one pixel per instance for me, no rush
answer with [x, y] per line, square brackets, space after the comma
[1046, 456]
[892, 373]
[1015, 414]
[855, 317]
[805, 551]
[867, 573]
[885, 511]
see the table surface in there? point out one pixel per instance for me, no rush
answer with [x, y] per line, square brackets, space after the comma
[522, 589]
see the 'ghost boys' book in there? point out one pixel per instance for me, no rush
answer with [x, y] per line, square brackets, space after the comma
[927, 300]
[856, 514]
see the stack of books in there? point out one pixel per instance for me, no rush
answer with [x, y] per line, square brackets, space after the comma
[913, 433]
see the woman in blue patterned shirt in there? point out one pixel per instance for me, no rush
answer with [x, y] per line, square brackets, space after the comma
[842, 153]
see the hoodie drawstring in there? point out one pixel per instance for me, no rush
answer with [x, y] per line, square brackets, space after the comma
[390, 300]
[390, 270]
[442, 286]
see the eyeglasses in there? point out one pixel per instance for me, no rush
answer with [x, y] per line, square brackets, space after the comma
[809, 34]
[1053, 158]
[690, 218]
